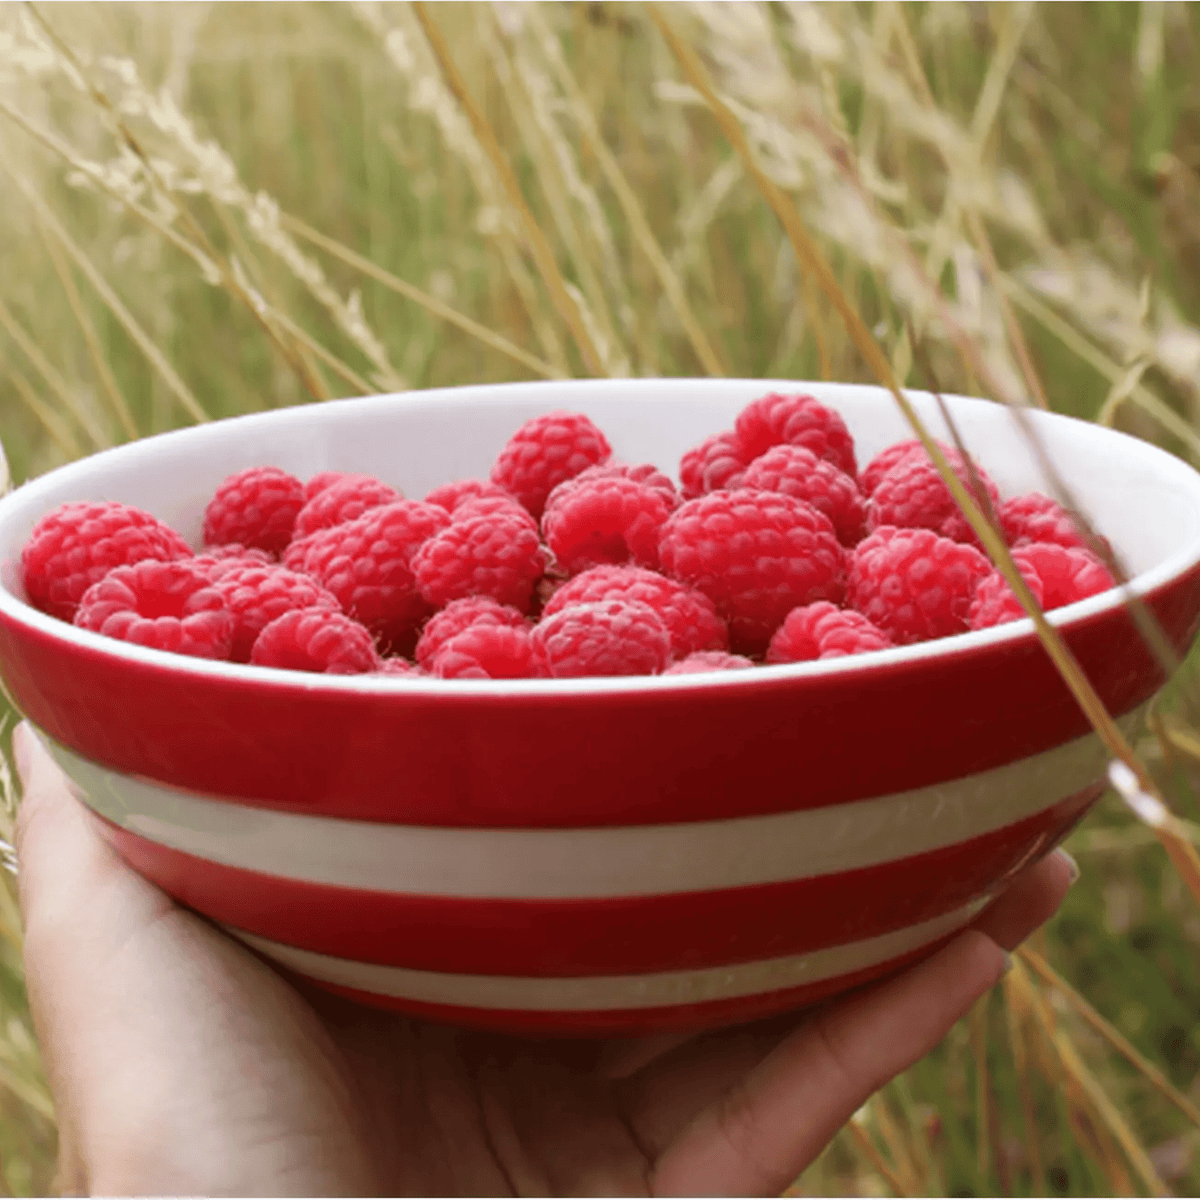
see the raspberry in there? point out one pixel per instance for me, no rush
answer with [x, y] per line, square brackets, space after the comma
[450, 495]
[343, 501]
[318, 640]
[756, 555]
[256, 595]
[77, 544]
[486, 506]
[498, 556]
[913, 584]
[644, 473]
[486, 651]
[459, 615]
[704, 661]
[545, 451]
[256, 507]
[214, 567]
[823, 631]
[164, 605]
[913, 495]
[365, 563]
[1056, 575]
[608, 637]
[1036, 518]
[774, 419]
[398, 666]
[714, 464]
[604, 521]
[690, 616]
[322, 480]
[885, 460]
[798, 472]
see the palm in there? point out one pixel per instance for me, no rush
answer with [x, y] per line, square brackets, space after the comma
[180, 1062]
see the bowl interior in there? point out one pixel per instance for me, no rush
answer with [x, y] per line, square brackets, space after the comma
[1144, 500]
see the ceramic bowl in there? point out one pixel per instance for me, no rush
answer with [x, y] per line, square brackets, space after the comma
[595, 855]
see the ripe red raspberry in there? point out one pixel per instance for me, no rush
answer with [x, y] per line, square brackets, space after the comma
[718, 462]
[756, 555]
[913, 584]
[164, 605]
[822, 630]
[1056, 575]
[704, 661]
[77, 544]
[487, 506]
[643, 473]
[775, 419]
[450, 495]
[545, 451]
[690, 616]
[399, 666]
[1036, 518]
[604, 521]
[487, 651]
[608, 637]
[913, 495]
[343, 501]
[366, 564]
[798, 472]
[498, 556]
[256, 595]
[322, 480]
[256, 507]
[890, 457]
[459, 615]
[318, 640]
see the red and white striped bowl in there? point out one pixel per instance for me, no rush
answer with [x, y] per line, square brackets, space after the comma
[595, 855]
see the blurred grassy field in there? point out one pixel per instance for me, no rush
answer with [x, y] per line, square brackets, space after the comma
[210, 209]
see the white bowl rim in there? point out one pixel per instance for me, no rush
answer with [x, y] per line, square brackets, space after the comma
[428, 687]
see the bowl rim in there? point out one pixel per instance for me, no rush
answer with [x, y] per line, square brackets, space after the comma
[18, 612]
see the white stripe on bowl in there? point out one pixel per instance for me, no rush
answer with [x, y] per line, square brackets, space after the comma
[612, 991]
[578, 863]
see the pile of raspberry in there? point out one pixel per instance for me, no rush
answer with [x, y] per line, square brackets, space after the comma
[565, 562]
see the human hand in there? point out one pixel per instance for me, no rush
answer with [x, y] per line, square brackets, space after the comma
[181, 1063]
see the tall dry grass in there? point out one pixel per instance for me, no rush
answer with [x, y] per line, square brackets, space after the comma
[212, 209]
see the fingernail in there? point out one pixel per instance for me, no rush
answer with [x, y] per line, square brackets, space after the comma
[1008, 963]
[22, 749]
[1072, 865]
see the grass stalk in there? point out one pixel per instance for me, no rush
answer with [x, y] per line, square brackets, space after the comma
[539, 247]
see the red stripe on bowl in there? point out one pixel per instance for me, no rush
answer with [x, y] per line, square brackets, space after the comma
[584, 758]
[606, 935]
